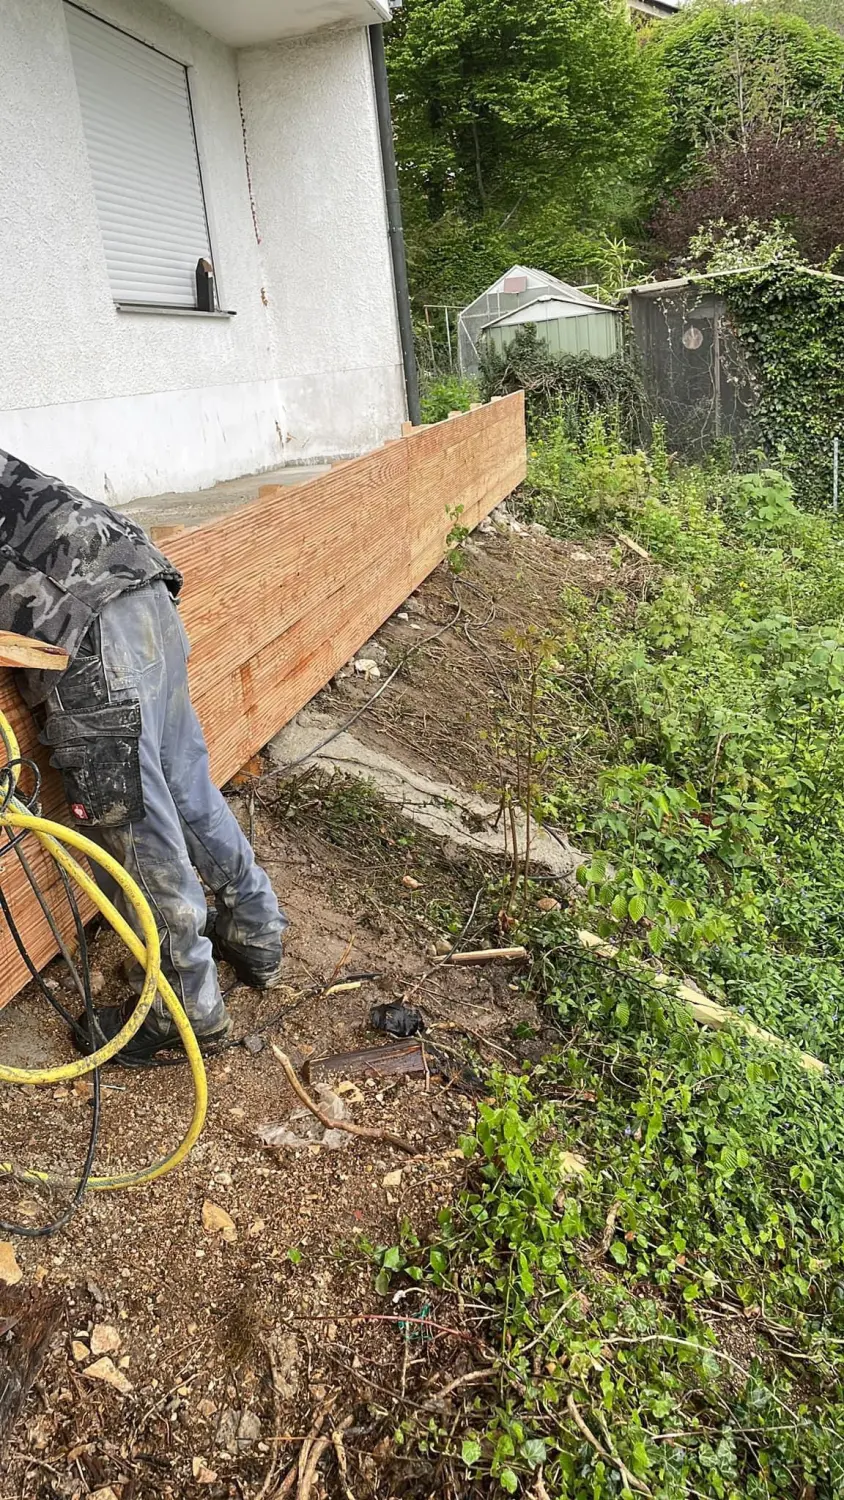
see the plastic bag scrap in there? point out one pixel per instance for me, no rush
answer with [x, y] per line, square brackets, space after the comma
[309, 1131]
[396, 1020]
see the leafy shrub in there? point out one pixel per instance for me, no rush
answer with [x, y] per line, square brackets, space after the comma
[450, 393]
[651, 1238]
[579, 470]
[579, 384]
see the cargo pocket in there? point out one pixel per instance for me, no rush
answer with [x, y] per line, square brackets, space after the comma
[83, 686]
[98, 755]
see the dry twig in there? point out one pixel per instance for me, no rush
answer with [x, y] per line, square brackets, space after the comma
[275, 1459]
[609, 1227]
[540, 1491]
[363, 1131]
[629, 1479]
[340, 1450]
[474, 1377]
[488, 956]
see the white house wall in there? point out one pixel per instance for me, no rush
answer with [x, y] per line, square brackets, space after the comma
[126, 404]
[314, 161]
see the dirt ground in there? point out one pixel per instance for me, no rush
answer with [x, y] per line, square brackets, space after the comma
[227, 1341]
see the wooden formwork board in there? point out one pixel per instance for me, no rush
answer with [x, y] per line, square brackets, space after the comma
[281, 593]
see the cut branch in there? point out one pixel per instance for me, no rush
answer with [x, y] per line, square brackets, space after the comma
[629, 1479]
[363, 1131]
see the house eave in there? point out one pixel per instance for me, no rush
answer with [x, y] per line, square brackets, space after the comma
[256, 23]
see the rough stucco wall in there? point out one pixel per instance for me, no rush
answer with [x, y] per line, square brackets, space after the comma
[315, 168]
[121, 404]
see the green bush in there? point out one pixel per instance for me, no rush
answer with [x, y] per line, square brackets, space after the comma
[790, 321]
[576, 385]
[579, 470]
[447, 394]
[651, 1239]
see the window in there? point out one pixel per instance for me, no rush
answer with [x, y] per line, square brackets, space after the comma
[138, 122]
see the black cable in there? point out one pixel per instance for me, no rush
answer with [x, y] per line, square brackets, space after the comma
[364, 708]
[46, 1230]
[50, 919]
[9, 790]
[34, 974]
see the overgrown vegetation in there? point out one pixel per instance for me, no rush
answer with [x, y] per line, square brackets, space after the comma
[790, 323]
[729, 71]
[649, 1253]
[520, 132]
[650, 1247]
[448, 393]
[578, 384]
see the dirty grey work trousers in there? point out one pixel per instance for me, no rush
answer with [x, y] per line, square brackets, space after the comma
[134, 761]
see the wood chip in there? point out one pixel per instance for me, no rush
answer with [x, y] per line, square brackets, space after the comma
[106, 1371]
[105, 1339]
[10, 1271]
[215, 1220]
[202, 1474]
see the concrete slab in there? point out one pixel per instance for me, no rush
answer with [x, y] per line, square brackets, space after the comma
[200, 507]
[448, 811]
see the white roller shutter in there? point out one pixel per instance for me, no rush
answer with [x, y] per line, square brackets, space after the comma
[138, 122]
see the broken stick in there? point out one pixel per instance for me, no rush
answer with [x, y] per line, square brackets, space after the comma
[628, 542]
[488, 956]
[705, 1011]
[37, 656]
[28, 1321]
[630, 1481]
[384, 1136]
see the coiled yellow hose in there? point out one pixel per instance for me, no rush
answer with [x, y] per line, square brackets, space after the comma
[57, 840]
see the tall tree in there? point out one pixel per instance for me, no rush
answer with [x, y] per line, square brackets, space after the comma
[817, 12]
[511, 113]
[733, 71]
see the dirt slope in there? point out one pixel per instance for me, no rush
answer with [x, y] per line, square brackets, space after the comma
[202, 1319]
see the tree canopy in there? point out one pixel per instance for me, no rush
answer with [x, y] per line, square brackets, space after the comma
[514, 120]
[794, 180]
[731, 70]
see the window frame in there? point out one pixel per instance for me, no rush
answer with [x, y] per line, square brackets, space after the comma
[171, 309]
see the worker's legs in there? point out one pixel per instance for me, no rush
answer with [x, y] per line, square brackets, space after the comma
[248, 919]
[106, 723]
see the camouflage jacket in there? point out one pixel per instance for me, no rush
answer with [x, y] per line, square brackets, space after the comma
[63, 557]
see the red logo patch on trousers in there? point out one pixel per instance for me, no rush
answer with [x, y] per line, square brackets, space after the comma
[79, 812]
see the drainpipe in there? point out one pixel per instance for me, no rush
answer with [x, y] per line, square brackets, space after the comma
[394, 223]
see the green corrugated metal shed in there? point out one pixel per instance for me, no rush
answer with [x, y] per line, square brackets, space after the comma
[566, 327]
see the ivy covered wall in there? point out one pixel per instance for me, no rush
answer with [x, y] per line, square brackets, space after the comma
[790, 321]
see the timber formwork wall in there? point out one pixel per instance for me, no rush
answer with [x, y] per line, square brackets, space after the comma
[280, 594]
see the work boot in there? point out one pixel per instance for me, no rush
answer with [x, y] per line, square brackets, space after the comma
[257, 968]
[148, 1040]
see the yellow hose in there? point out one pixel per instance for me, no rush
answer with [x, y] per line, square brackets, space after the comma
[54, 837]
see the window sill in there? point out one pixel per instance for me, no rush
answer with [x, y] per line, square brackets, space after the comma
[152, 309]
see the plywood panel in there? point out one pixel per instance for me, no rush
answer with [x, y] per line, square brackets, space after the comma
[281, 593]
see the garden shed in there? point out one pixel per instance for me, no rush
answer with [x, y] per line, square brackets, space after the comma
[694, 366]
[519, 288]
[564, 325]
[754, 357]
